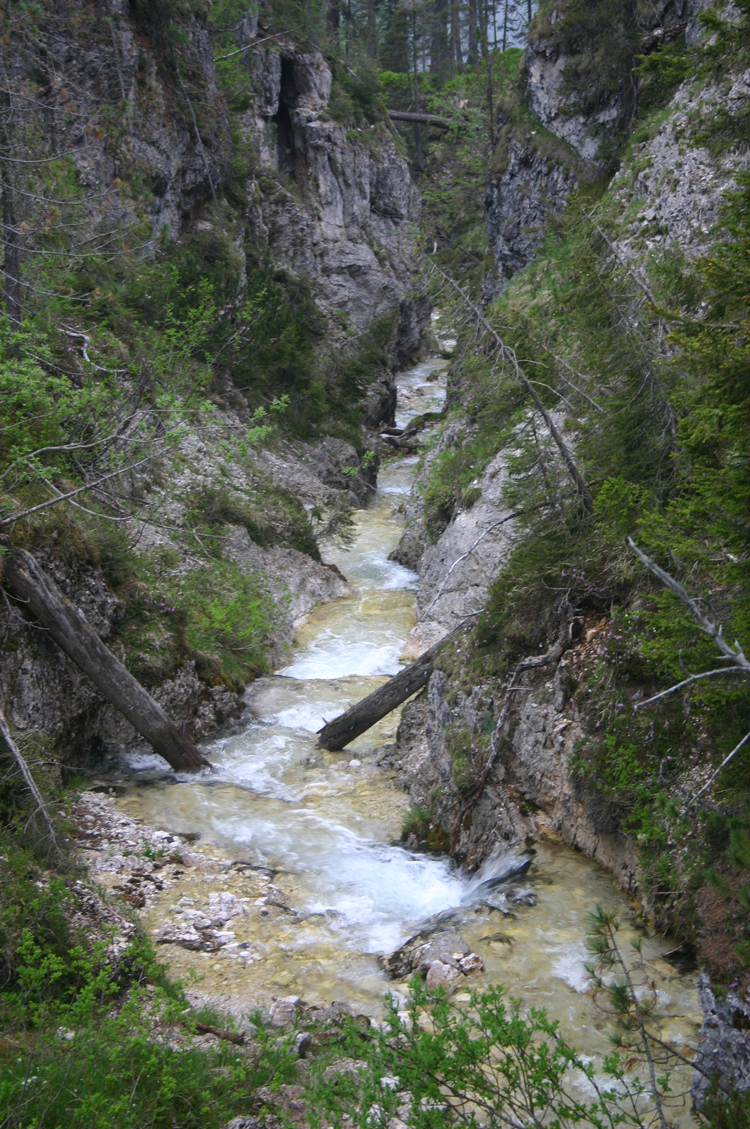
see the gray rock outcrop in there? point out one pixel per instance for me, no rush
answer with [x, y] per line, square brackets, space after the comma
[344, 209]
[455, 573]
[535, 170]
[519, 202]
[535, 765]
[104, 63]
[681, 186]
[723, 1054]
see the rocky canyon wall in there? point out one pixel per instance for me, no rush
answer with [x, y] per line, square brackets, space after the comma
[329, 203]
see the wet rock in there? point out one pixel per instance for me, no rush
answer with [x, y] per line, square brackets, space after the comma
[508, 868]
[187, 937]
[225, 905]
[242, 1123]
[279, 899]
[418, 954]
[331, 1014]
[303, 1043]
[472, 963]
[440, 975]
[287, 1100]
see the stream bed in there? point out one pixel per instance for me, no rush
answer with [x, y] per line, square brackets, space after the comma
[306, 842]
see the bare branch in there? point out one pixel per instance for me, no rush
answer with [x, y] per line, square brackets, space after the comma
[30, 782]
[735, 654]
[249, 46]
[509, 354]
[463, 557]
[72, 493]
[686, 682]
[726, 761]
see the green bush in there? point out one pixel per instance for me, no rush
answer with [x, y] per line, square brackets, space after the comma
[216, 615]
[271, 515]
[357, 98]
[85, 1063]
[489, 1063]
[229, 618]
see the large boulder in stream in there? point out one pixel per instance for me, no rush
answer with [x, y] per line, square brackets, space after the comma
[442, 957]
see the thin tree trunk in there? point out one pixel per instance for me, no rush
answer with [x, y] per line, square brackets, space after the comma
[439, 45]
[371, 38]
[30, 584]
[489, 57]
[419, 119]
[26, 773]
[505, 26]
[456, 52]
[506, 352]
[333, 17]
[417, 126]
[12, 258]
[471, 58]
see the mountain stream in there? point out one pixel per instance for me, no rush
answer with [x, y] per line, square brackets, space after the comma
[308, 841]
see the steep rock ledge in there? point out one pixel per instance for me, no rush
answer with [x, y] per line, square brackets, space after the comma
[342, 208]
[530, 788]
[577, 124]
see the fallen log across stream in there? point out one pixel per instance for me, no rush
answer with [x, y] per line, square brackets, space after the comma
[66, 625]
[337, 733]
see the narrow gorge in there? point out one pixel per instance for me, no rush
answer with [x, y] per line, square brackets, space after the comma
[332, 341]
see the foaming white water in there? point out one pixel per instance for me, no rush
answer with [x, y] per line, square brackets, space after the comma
[336, 655]
[397, 477]
[419, 394]
[329, 824]
[371, 892]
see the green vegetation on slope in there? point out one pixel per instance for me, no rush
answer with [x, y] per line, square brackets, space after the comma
[648, 359]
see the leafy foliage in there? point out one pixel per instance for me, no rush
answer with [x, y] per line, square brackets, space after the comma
[87, 1063]
[649, 372]
[476, 1066]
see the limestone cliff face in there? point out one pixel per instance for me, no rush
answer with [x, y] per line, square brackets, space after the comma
[530, 788]
[519, 201]
[121, 109]
[343, 208]
[578, 117]
[586, 115]
[334, 204]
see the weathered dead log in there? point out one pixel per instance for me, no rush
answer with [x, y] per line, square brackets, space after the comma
[66, 625]
[230, 1036]
[361, 717]
[420, 119]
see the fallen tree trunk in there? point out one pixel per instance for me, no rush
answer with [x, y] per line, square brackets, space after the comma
[361, 717]
[66, 625]
[421, 119]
